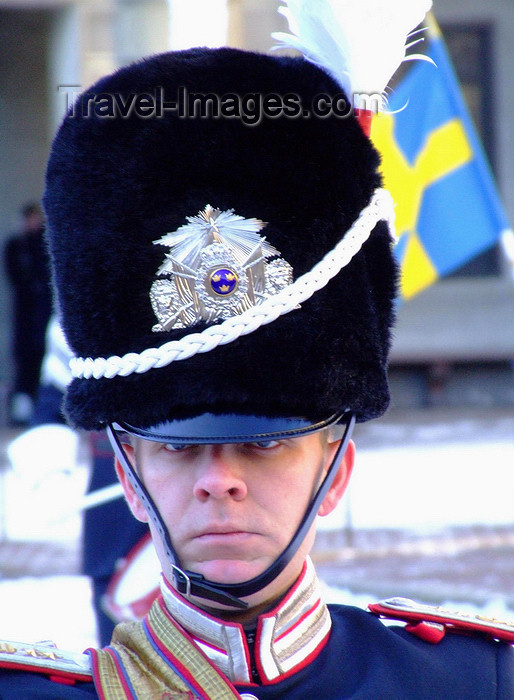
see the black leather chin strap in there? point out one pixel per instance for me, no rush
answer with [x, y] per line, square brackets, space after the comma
[189, 583]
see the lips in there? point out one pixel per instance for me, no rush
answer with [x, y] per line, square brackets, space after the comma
[222, 543]
[218, 538]
[213, 530]
[222, 533]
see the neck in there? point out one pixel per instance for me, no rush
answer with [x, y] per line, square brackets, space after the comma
[244, 617]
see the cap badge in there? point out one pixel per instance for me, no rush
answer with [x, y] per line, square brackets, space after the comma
[216, 268]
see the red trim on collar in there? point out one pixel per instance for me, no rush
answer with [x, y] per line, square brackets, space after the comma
[283, 601]
[299, 621]
[303, 663]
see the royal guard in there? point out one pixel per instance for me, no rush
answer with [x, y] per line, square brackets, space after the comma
[228, 289]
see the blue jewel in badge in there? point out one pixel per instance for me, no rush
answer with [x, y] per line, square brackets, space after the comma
[224, 282]
[218, 266]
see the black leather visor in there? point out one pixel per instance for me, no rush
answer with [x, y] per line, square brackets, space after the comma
[210, 428]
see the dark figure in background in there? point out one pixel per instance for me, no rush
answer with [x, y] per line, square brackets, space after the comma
[27, 268]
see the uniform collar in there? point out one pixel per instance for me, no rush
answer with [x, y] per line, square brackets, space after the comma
[287, 638]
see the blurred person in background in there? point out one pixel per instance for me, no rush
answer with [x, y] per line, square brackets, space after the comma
[27, 268]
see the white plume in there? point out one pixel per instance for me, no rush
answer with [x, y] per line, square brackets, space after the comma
[360, 43]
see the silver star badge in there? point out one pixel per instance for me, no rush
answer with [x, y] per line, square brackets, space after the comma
[216, 268]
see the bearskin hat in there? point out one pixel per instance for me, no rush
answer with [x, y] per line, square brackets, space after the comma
[165, 224]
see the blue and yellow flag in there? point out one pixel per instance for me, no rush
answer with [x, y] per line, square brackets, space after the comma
[447, 206]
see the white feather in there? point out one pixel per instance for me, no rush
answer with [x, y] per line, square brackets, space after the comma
[360, 43]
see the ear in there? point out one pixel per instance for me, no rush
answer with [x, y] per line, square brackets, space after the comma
[341, 479]
[135, 505]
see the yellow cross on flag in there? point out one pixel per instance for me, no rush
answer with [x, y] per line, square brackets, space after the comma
[447, 207]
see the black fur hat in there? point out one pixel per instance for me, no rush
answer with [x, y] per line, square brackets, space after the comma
[126, 169]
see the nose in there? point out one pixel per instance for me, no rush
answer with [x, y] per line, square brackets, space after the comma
[219, 475]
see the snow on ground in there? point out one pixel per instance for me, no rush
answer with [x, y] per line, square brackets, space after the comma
[56, 608]
[420, 488]
[43, 489]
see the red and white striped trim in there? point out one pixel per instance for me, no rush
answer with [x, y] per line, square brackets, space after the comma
[288, 637]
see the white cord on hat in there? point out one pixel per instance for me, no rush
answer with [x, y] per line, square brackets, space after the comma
[380, 208]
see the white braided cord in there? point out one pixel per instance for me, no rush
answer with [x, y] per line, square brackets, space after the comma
[379, 208]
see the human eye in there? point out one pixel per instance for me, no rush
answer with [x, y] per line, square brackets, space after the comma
[265, 444]
[173, 447]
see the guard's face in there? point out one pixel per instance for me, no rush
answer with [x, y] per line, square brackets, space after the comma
[232, 509]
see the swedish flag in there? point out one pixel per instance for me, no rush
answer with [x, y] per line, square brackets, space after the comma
[448, 210]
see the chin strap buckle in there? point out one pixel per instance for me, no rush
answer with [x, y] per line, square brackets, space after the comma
[182, 580]
[190, 584]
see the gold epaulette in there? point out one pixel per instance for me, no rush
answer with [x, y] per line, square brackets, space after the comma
[46, 658]
[430, 622]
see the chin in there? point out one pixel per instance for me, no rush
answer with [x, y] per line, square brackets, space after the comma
[230, 571]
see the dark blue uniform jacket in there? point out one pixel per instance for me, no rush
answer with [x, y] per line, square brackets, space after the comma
[363, 660]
